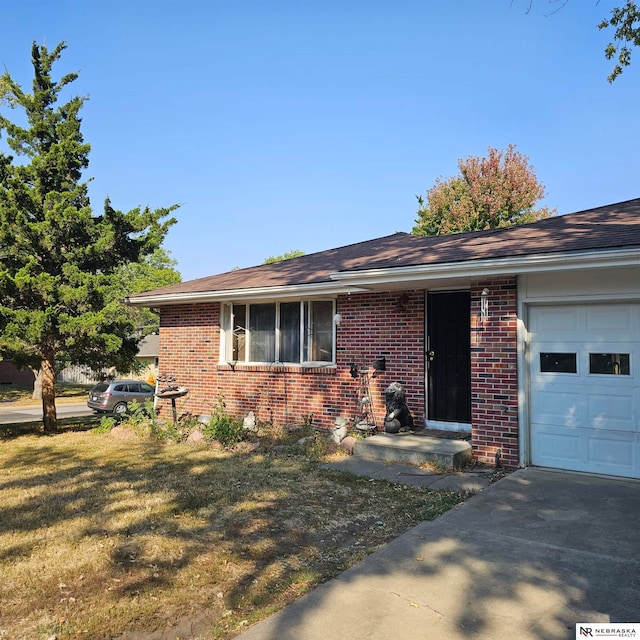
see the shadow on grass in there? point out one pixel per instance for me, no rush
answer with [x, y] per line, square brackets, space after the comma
[260, 529]
[218, 538]
[528, 558]
[12, 430]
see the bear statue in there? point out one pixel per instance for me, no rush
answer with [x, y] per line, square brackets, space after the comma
[398, 418]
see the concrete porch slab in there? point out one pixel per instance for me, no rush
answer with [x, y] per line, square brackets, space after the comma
[414, 449]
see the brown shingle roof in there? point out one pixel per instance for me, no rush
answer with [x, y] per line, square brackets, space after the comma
[149, 346]
[604, 228]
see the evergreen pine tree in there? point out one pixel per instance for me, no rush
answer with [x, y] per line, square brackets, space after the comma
[56, 257]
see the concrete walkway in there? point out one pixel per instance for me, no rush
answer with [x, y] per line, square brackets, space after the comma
[469, 481]
[527, 558]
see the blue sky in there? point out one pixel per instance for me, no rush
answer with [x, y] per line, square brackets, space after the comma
[281, 125]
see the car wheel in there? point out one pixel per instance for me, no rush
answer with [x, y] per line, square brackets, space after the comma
[120, 408]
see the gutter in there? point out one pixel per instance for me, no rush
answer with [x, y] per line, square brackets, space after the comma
[369, 279]
[491, 267]
[251, 294]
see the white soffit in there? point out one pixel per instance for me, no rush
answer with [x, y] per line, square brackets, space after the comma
[317, 290]
[488, 268]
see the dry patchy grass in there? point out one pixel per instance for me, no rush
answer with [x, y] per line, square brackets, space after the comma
[102, 538]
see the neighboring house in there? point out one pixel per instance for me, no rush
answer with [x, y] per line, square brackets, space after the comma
[10, 374]
[147, 357]
[528, 336]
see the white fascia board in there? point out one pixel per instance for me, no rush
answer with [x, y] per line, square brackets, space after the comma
[492, 267]
[367, 279]
[246, 295]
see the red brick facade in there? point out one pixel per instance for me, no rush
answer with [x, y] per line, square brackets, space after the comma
[389, 325]
[494, 373]
[373, 325]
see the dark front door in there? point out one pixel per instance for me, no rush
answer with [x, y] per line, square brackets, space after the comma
[449, 356]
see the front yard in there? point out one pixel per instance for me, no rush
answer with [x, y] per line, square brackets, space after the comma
[104, 538]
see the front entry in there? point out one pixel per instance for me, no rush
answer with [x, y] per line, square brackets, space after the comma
[449, 357]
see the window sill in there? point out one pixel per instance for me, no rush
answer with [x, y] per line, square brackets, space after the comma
[302, 369]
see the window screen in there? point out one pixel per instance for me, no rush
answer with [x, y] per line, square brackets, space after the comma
[290, 332]
[262, 326]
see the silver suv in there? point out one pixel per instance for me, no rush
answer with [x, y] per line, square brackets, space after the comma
[115, 395]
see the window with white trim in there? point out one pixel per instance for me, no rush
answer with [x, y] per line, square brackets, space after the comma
[292, 332]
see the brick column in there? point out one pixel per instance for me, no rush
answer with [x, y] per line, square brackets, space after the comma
[494, 374]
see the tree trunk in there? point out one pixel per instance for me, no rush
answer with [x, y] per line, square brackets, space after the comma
[37, 386]
[48, 375]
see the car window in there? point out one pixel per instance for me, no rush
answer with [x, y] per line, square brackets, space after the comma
[120, 387]
[146, 388]
[134, 387]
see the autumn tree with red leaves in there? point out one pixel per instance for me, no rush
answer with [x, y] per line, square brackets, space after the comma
[500, 190]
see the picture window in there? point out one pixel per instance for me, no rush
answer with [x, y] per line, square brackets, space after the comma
[281, 332]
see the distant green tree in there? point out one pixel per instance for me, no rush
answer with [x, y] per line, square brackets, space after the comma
[499, 190]
[625, 21]
[58, 259]
[294, 253]
[150, 272]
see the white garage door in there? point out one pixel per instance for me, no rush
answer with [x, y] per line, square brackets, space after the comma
[585, 390]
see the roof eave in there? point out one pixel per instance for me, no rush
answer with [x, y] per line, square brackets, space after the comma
[250, 294]
[368, 279]
[514, 265]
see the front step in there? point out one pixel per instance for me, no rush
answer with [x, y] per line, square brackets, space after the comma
[414, 449]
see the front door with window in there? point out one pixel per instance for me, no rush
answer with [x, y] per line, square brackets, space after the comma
[449, 357]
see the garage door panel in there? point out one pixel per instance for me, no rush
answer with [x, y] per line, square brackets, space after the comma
[556, 447]
[558, 407]
[611, 448]
[560, 320]
[576, 449]
[613, 412]
[610, 320]
[584, 410]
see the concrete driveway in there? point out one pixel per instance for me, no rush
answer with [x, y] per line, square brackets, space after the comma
[526, 558]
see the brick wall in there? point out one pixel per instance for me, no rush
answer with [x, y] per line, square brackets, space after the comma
[494, 373]
[373, 325]
[389, 325]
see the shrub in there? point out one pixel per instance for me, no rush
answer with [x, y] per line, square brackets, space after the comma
[106, 424]
[143, 419]
[146, 418]
[223, 427]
